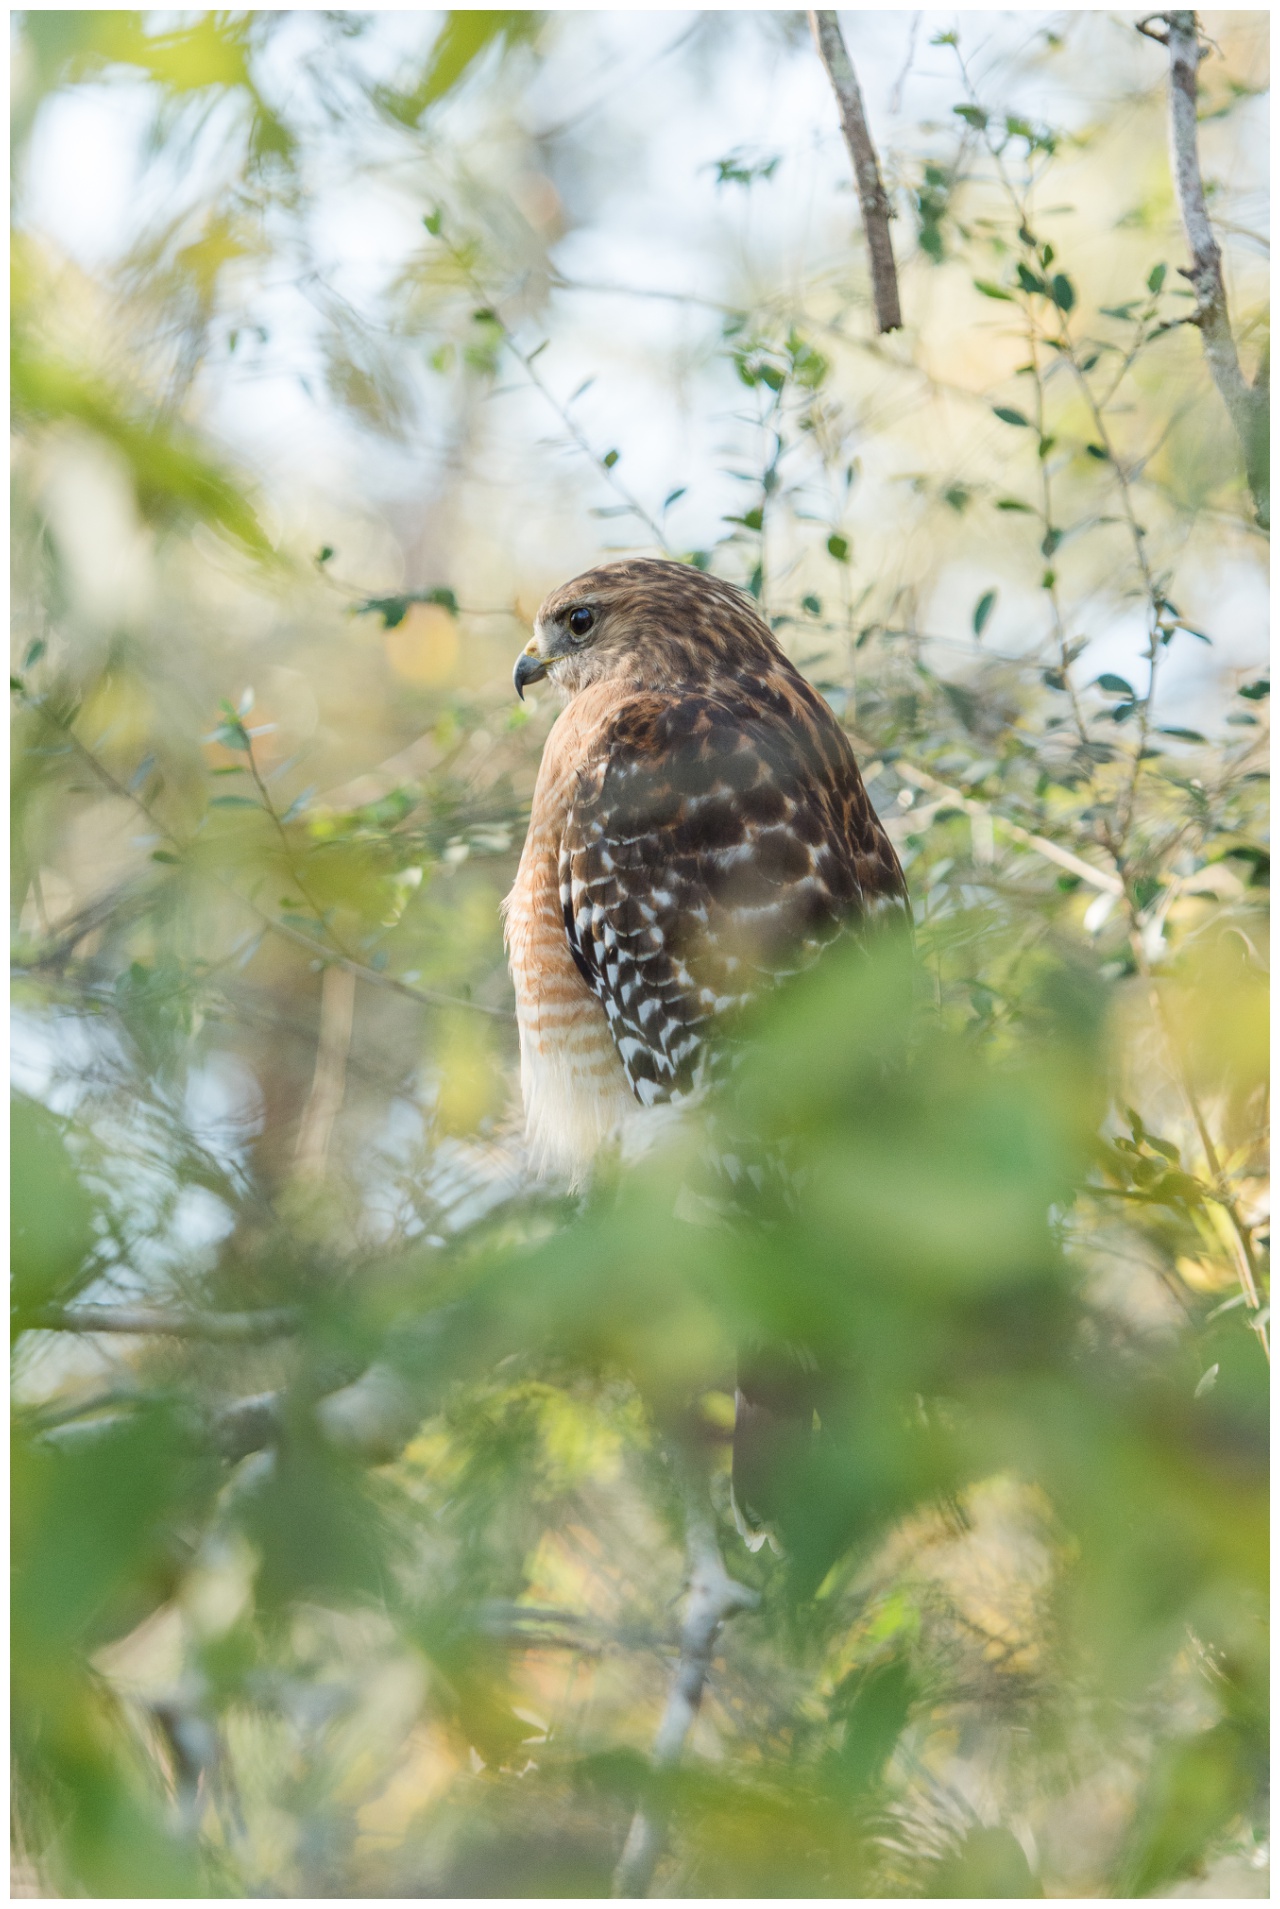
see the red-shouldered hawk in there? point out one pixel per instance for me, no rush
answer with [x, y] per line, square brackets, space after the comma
[699, 831]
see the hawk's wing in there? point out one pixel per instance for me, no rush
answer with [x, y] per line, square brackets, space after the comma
[715, 843]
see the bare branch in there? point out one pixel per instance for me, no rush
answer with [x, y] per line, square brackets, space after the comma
[1248, 405]
[872, 197]
[1100, 878]
[228, 1328]
[713, 1597]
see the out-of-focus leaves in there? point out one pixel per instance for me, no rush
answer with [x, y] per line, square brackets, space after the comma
[51, 1212]
[172, 473]
[213, 51]
[990, 1863]
[94, 1533]
[464, 36]
[1193, 1793]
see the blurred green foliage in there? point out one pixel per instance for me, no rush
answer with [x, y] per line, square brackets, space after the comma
[351, 1466]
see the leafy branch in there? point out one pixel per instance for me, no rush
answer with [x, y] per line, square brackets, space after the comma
[179, 849]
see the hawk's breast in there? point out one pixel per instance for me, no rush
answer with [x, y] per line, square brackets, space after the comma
[575, 1089]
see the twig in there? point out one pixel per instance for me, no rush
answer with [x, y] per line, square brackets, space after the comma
[605, 464]
[427, 997]
[1248, 405]
[1241, 1239]
[713, 1597]
[1100, 878]
[872, 197]
[895, 96]
[228, 1328]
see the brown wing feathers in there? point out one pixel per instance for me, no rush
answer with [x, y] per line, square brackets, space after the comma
[715, 843]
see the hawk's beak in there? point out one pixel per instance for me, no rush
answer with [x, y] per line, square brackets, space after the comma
[530, 668]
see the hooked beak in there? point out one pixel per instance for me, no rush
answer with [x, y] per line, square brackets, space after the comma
[530, 668]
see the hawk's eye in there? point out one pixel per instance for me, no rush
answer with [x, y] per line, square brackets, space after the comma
[580, 620]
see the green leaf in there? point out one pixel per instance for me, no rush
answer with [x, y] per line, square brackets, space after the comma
[610, 458]
[838, 547]
[1254, 692]
[971, 115]
[1099, 451]
[232, 802]
[1062, 291]
[1028, 280]
[812, 604]
[51, 1214]
[1156, 277]
[989, 290]
[1008, 415]
[393, 610]
[1115, 685]
[982, 610]
[1014, 503]
[1182, 735]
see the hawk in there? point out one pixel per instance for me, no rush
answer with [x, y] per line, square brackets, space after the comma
[699, 832]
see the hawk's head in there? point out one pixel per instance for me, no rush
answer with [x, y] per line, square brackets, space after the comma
[650, 624]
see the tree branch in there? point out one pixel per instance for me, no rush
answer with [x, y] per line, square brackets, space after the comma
[1248, 405]
[713, 1597]
[329, 1083]
[872, 197]
[229, 1328]
[331, 953]
[1100, 878]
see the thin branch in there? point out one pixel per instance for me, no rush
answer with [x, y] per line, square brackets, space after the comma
[1248, 405]
[329, 1082]
[1241, 1239]
[713, 1597]
[604, 464]
[1100, 878]
[427, 997]
[227, 1328]
[872, 197]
